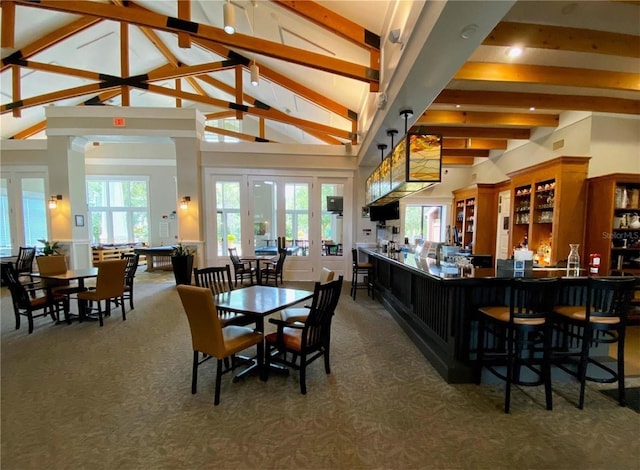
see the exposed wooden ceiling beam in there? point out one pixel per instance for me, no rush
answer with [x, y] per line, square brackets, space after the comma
[333, 22]
[484, 144]
[453, 161]
[8, 23]
[237, 135]
[51, 68]
[220, 115]
[481, 132]
[546, 75]
[184, 13]
[53, 38]
[56, 96]
[248, 43]
[565, 39]
[465, 153]
[124, 61]
[539, 101]
[488, 119]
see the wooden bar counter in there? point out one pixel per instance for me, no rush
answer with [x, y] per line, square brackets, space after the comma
[437, 310]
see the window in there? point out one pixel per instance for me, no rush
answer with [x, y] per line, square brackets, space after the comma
[331, 223]
[423, 222]
[118, 209]
[297, 215]
[233, 125]
[228, 216]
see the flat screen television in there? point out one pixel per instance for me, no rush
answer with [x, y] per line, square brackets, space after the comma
[334, 203]
[389, 211]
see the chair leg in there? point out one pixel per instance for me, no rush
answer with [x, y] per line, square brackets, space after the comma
[124, 316]
[100, 312]
[510, 367]
[546, 368]
[303, 374]
[194, 372]
[327, 366]
[131, 298]
[30, 320]
[621, 394]
[584, 362]
[216, 400]
[17, 314]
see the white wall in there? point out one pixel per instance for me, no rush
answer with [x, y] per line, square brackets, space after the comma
[615, 145]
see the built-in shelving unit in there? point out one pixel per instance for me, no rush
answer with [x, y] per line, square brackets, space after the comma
[475, 217]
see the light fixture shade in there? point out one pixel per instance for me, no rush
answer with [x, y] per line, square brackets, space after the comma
[53, 203]
[184, 202]
[255, 74]
[229, 18]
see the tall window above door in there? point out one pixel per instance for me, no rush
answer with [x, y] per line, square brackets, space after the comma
[297, 218]
[118, 209]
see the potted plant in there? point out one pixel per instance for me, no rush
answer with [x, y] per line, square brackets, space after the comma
[50, 248]
[182, 263]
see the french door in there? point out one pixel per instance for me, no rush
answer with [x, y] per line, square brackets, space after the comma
[23, 209]
[252, 212]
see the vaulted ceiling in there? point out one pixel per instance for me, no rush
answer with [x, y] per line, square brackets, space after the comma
[321, 66]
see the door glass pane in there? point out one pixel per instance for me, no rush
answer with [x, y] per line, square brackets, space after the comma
[297, 218]
[5, 230]
[34, 210]
[331, 225]
[264, 217]
[228, 217]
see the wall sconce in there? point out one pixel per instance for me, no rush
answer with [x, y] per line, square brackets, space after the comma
[184, 203]
[229, 16]
[53, 201]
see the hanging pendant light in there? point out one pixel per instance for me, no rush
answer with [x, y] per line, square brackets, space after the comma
[255, 74]
[229, 16]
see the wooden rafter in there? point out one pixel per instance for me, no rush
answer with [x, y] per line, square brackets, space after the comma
[481, 144]
[473, 132]
[547, 75]
[124, 61]
[563, 38]
[237, 135]
[476, 153]
[489, 119]
[7, 35]
[451, 161]
[539, 101]
[333, 22]
[52, 38]
[248, 43]
[184, 14]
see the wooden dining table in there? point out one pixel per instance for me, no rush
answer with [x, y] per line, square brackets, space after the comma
[257, 259]
[259, 302]
[71, 275]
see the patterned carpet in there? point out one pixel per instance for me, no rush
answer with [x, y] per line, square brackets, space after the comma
[83, 397]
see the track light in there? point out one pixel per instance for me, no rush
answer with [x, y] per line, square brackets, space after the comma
[229, 18]
[255, 74]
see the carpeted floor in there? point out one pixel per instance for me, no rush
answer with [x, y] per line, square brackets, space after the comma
[631, 395]
[83, 397]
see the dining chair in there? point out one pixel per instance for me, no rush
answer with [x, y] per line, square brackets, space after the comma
[109, 286]
[274, 269]
[55, 264]
[299, 314]
[242, 269]
[209, 338]
[309, 340]
[24, 262]
[521, 333]
[27, 301]
[601, 320]
[360, 267]
[218, 280]
[129, 275]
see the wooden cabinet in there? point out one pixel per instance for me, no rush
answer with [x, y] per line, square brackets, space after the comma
[613, 223]
[548, 208]
[475, 212]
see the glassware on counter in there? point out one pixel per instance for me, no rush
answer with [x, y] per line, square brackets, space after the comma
[573, 261]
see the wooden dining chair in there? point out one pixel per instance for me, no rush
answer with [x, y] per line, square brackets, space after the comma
[24, 263]
[26, 302]
[109, 286]
[300, 314]
[273, 270]
[218, 280]
[242, 269]
[209, 338]
[306, 341]
[55, 264]
[129, 275]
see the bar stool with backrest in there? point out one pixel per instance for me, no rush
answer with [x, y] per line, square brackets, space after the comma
[602, 320]
[521, 330]
[360, 267]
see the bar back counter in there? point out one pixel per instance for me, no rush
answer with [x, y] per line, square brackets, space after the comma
[438, 310]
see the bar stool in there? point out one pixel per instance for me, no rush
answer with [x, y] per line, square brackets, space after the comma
[365, 268]
[602, 320]
[522, 330]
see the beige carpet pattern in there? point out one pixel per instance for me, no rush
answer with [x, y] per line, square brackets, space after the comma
[83, 397]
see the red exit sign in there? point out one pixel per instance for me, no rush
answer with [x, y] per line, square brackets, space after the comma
[118, 122]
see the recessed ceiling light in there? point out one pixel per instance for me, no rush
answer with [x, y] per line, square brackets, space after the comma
[457, 106]
[532, 108]
[515, 51]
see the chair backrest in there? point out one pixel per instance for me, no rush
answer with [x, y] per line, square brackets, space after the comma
[532, 298]
[610, 297]
[19, 295]
[281, 257]
[354, 256]
[323, 305]
[110, 280]
[24, 263]
[326, 275]
[215, 278]
[235, 259]
[206, 329]
[52, 264]
[132, 267]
